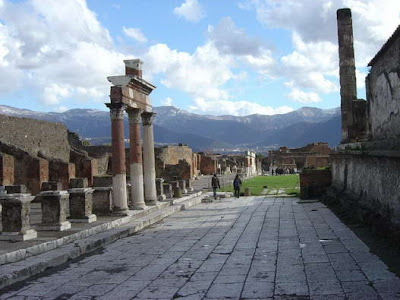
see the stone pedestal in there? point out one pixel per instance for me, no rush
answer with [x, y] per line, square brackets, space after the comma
[15, 189]
[54, 211]
[182, 185]
[177, 192]
[51, 186]
[168, 192]
[80, 205]
[160, 189]
[149, 173]
[102, 201]
[15, 218]
[189, 185]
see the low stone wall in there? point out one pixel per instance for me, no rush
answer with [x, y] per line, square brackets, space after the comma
[367, 186]
[314, 182]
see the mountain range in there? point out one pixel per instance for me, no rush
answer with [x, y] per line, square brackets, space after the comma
[205, 132]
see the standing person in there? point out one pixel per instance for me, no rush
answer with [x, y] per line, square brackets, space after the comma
[215, 185]
[236, 186]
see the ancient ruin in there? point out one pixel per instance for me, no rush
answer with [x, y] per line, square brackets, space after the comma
[131, 93]
[366, 165]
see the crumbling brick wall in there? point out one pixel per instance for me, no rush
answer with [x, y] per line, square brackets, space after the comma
[38, 138]
[6, 169]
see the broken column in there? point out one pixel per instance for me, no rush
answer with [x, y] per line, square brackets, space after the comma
[118, 158]
[136, 166]
[80, 202]
[15, 217]
[54, 210]
[347, 69]
[149, 173]
[167, 188]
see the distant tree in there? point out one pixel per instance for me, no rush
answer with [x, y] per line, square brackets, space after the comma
[85, 142]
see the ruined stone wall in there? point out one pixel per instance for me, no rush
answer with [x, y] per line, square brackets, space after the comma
[38, 138]
[383, 94]
[369, 185]
[171, 155]
[208, 165]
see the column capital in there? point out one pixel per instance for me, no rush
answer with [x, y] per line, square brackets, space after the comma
[134, 115]
[148, 118]
[116, 110]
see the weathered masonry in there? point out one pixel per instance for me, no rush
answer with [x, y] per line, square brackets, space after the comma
[366, 165]
[130, 93]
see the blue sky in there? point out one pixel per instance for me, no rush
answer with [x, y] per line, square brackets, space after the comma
[234, 57]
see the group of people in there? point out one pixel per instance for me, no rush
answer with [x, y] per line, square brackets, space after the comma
[237, 182]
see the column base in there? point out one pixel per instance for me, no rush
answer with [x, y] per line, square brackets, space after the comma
[54, 227]
[87, 219]
[18, 236]
[151, 202]
[120, 211]
[139, 207]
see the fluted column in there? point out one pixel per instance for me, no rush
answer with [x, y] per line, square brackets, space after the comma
[120, 201]
[150, 192]
[136, 165]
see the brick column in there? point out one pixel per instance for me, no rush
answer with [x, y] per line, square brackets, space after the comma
[120, 200]
[347, 69]
[136, 165]
[150, 192]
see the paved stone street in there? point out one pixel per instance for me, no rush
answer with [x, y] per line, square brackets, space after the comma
[251, 248]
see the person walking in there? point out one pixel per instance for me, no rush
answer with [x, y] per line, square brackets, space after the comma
[236, 186]
[215, 184]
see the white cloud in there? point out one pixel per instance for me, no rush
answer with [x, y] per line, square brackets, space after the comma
[201, 74]
[235, 108]
[304, 97]
[135, 33]
[167, 101]
[191, 10]
[59, 50]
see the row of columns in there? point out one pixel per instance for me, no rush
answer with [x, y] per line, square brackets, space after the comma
[143, 174]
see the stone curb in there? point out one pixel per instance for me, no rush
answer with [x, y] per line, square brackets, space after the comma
[54, 254]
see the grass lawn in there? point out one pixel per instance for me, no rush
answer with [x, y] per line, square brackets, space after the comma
[284, 184]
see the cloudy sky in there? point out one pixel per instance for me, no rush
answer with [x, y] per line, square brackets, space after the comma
[234, 57]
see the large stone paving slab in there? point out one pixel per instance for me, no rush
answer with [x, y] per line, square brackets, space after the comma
[247, 248]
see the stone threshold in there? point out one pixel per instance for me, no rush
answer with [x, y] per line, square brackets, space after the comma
[28, 250]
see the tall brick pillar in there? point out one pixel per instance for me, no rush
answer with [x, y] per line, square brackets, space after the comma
[150, 191]
[348, 85]
[120, 200]
[136, 165]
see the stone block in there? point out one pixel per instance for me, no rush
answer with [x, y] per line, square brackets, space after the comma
[81, 205]
[54, 210]
[76, 183]
[6, 169]
[160, 189]
[15, 218]
[247, 192]
[167, 187]
[52, 186]
[16, 189]
[102, 181]
[102, 201]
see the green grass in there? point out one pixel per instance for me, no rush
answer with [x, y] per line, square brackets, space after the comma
[285, 184]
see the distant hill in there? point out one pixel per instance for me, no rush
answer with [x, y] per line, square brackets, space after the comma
[205, 132]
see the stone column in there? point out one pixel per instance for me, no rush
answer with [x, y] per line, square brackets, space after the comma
[120, 200]
[160, 189]
[15, 218]
[150, 191]
[347, 70]
[136, 165]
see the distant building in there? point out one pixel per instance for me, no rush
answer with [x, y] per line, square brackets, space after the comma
[315, 155]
